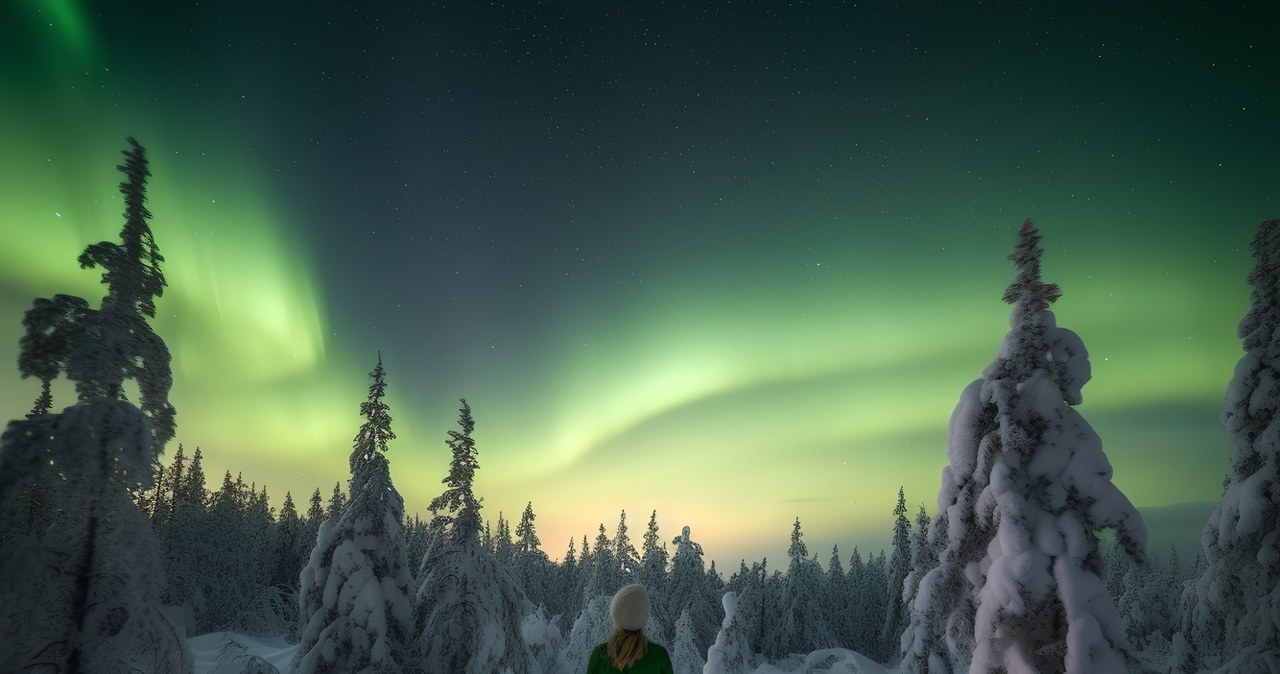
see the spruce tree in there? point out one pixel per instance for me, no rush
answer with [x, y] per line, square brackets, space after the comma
[310, 527]
[356, 592]
[840, 605]
[469, 606]
[194, 492]
[896, 613]
[568, 587]
[169, 484]
[653, 570]
[458, 499]
[526, 534]
[603, 576]
[687, 590]
[286, 563]
[804, 619]
[532, 566]
[1232, 621]
[686, 653]
[1025, 494]
[625, 554]
[923, 558]
[731, 653]
[872, 596]
[374, 434]
[85, 592]
[503, 546]
[337, 501]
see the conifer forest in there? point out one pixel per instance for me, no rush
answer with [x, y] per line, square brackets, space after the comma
[865, 338]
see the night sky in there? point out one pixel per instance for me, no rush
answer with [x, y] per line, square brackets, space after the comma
[730, 261]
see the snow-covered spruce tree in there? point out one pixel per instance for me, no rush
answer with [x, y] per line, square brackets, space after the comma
[469, 607]
[687, 589]
[924, 556]
[187, 546]
[1025, 493]
[337, 501]
[311, 526]
[625, 554]
[285, 563]
[356, 592]
[564, 592]
[605, 575]
[895, 619]
[686, 656]
[531, 566]
[590, 629]
[872, 599]
[751, 588]
[503, 546]
[543, 637]
[83, 593]
[653, 570]
[839, 605]
[731, 653]
[1233, 621]
[803, 611]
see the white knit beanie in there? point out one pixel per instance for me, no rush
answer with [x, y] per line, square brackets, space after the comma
[630, 608]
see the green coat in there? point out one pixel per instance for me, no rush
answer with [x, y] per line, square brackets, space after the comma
[655, 661]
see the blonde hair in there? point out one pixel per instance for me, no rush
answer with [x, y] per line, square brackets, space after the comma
[626, 647]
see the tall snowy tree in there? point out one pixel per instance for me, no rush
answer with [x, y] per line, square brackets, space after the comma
[625, 554]
[803, 611]
[85, 592]
[526, 532]
[193, 490]
[185, 539]
[731, 653]
[840, 604]
[895, 619]
[503, 546]
[1025, 493]
[686, 654]
[310, 526]
[567, 591]
[458, 498]
[591, 628]
[687, 590]
[603, 575]
[749, 584]
[470, 608]
[286, 564]
[652, 573]
[337, 501]
[924, 556]
[1233, 617]
[531, 566]
[356, 592]
[871, 592]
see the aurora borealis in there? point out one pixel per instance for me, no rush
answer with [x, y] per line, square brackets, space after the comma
[729, 262]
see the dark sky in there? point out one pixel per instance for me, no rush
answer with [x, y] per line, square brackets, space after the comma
[733, 262]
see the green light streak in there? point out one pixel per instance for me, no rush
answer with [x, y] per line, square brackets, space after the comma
[68, 18]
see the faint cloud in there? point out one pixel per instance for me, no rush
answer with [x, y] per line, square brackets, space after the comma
[807, 499]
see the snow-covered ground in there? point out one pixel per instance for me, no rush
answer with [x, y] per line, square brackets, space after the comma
[227, 653]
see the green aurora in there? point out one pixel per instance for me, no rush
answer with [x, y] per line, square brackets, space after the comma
[783, 334]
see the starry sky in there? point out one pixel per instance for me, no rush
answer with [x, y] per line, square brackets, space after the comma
[731, 261]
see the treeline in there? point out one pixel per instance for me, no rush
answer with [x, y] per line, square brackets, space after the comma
[232, 561]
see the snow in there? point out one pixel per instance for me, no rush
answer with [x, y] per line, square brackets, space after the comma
[227, 653]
